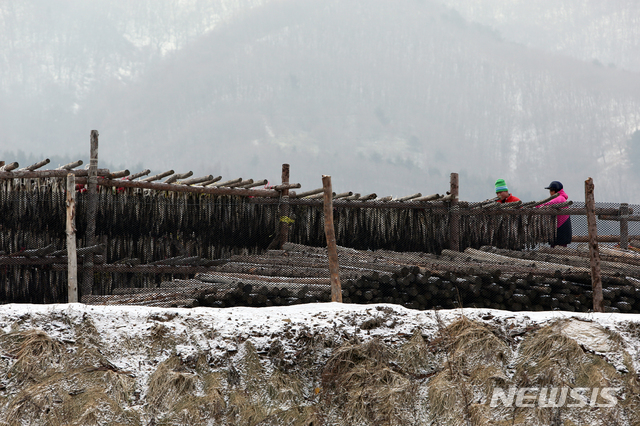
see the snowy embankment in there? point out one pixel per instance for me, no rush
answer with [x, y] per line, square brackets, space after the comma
[316, 364]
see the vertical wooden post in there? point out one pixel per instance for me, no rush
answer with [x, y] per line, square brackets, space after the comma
[454, 214]
[594, 253]
[332, 249]
[284, 208]
[72, 259]
[92, 208]
[624, 225]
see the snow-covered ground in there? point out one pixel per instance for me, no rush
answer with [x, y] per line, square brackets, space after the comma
[131, 338]
[221, 330]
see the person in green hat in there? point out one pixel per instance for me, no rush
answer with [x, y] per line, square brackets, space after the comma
[503, 194]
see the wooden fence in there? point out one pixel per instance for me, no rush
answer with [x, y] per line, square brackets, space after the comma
[130, 230]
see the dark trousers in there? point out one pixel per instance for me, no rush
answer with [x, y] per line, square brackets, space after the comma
[564, 234]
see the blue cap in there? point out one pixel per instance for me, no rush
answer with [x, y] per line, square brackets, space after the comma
[555, 185]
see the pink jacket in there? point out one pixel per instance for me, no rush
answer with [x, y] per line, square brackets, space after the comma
[561, 198]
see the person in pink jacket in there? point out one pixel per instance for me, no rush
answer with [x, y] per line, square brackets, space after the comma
[564, 234]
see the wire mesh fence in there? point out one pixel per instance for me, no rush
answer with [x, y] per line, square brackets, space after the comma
[164, 248]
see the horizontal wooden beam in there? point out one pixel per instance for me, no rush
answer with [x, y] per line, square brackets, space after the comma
[602, 238]
[254, 184]
[293, 194]
[196, 180]
[158, 176]
[9, 167]
[118, 174]
[226, 183]
[157, 186]
[175, 177]
[47, 260]
[409, 197]
[156, 269]
[632, 218]
[70, 166]
[438, 206]
[210, 181]
[139, 174]
[43, 174]
[286, 186]
[37, 165]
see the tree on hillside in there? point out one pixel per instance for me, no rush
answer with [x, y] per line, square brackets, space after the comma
[634, 151]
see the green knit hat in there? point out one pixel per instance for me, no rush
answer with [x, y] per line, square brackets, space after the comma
[501, 186]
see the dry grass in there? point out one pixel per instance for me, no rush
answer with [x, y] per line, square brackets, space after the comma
[284, 388]
[346, 357]
[361, 382]
[193, 410]
[632, 328]
[548, 358]
[252, 370]
[445, 395]
[160, 338]
[75, 397]
[268, 398]
[86, 333]
[188, 392]
[243, 410]
[56, 385]
[295, 416]
[519, 418]
[181, 394]
[49, 382]
[415, 355]
[474, 344]
[630, 406]
[35, 353]
[169, 384]
[475, 361]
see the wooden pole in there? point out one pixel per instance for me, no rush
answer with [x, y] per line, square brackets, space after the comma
[454, 214]
[210, 189]
[37, 165]
[92, 208]
[594, 253]
[9, 167]
[72, 259]
[332, 248]
[71, 165]
[629, 218]
[284, 208]
[139, 174]
[307, 193]
[602, 238]
[624, 226]
[41, 174]
[158, 176]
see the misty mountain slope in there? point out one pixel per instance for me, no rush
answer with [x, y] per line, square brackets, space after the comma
[55, 54]
[385, 97]
[604, 31]
[72, 44]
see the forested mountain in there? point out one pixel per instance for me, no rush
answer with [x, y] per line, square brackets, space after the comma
[605, 32]
[387, 97]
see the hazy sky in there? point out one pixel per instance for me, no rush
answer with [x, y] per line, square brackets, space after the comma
[386, 97]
